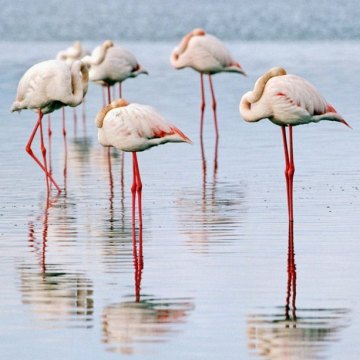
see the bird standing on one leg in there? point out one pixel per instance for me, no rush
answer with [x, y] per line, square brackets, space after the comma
[132, 128]
[207, 55]
[286, 100]
[45, 87]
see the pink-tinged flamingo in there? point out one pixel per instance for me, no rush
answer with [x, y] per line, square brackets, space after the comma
[74, 52]
[286, 100]
[111, 64]
[207, 55]
[45, 87]
[132, 128]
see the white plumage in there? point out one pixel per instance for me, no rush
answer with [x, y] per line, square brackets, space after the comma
[286, 100]
[135, 127]
[204, 53]
[110, 64]
[51, 84]
[72, 53]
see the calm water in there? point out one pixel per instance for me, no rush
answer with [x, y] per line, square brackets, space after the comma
[219, 272]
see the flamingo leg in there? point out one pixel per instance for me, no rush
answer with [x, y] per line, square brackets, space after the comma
[111, 198]
[202, 107]
[215, 124]
[65, 142]
[43, 151]
[291, 172]
[138, 188]
[109, 94]
[49, 137]
[31, 153]
[287, 166]
[122, 182]
[120, 90]
[133, 192]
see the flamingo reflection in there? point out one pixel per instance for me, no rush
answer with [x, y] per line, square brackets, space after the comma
[211, 219]
[128, 325]
[53, 295]
[297, 334]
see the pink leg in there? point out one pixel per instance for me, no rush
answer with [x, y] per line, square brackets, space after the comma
[215, 124]
[137, 187]
[291, 172]
[65, 141]
[133, 192]
[214, 108]
[122, 183]
[43, 151]
[111, 184]
[287, 165]
[49, 136]
[202, 107]
[120, 90]
[31, 153]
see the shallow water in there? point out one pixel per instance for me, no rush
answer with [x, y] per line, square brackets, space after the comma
[216, 272]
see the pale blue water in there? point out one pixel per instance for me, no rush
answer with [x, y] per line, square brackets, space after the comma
[215, 278]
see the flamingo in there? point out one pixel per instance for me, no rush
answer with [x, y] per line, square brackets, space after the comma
[72, 53]
[110, 64]
[44, 88]
[207, 55]
[69, 55]
[286, 100]
[132, 128]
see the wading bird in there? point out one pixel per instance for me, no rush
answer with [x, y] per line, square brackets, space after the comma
[207, 55]
[286, 100]
[110, 64]
[45, 87]
[132, 128]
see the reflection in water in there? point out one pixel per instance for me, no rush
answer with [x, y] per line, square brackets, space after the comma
[141, 318]
[295, 334]
[52, 294]
[128, 324]
[58, 296]
[213, 216]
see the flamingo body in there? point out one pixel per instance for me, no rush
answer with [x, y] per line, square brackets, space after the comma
[286, 100]
[135, 127]
[51, 84]
[204, 53]
[116, 65]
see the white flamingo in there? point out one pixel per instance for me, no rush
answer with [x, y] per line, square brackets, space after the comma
[286, 100]
[46, 87]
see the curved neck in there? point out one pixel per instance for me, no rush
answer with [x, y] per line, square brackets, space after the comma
[98, 55]
[184, 44]
[261, 82]
[77, 83]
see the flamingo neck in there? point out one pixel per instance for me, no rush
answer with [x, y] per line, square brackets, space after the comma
[183, 45]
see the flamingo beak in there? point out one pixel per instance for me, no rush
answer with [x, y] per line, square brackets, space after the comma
[345, 123]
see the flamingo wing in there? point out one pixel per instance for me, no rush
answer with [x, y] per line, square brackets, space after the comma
[294, 100]
[137, 127]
